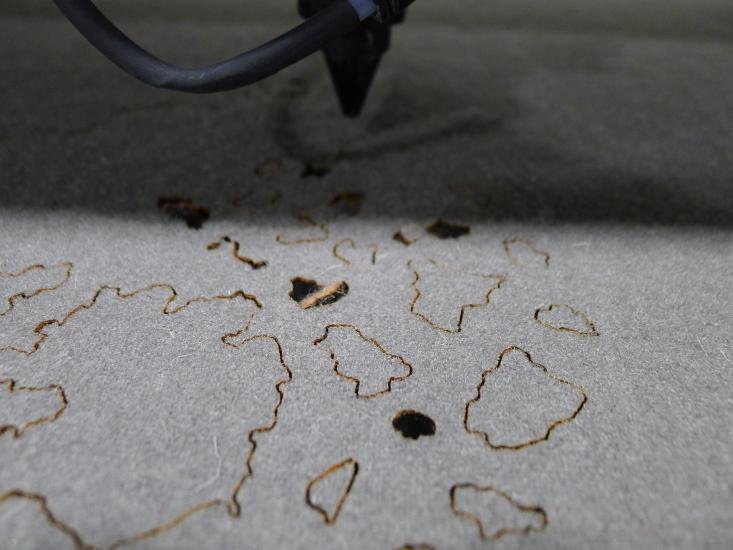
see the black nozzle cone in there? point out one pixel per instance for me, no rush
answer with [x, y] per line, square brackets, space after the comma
[352, 79]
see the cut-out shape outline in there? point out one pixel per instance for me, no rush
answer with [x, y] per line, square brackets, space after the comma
[254, 264]
[168, 309]
[414, 285]
[232, 504]
[18, 430]
[280, 237]
[592, 329]
[550, 428]
[328, 519]
[526, 242]
[502, 532]
[27, 295]
[55, 523]
[353, 244]
[356, 381]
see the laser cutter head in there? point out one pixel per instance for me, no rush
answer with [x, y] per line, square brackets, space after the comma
[353, 59]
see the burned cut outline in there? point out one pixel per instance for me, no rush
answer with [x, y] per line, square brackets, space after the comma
[499, 280]
[401, 238]
[409, 237]
[526, 242]
[499, 533]
[550, 428]
[592, 330]
[356, 381]
[168, 309]
[19, 430]
[231, 505]
[27, 295]
[328, 519]
[280, 237]
[352, 243]
[53, 521]
[254, 264]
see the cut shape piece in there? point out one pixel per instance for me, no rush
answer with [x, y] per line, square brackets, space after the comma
[311, 232]
[447, 230]
[363, 361]
[22, 407]
[193, 214]
[362, 254]
[523, 253]
[31, 281]
[254, 264]
[413, 424]
[519, 403]
[348, 203]
[442, 295]
[564, 318]
[494, 512]
[309, 293]
[328, 491]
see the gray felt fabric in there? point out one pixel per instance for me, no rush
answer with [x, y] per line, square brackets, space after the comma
[162, 414]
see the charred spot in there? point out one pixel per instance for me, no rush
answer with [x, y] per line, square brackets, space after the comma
[413, 424]
[400, 238]
[447, 230]
[193, 214]
[309, 293]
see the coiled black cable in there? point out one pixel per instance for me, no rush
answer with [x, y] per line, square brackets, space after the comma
[337, 19]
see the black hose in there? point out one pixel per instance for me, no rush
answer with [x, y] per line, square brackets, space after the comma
[335, 20]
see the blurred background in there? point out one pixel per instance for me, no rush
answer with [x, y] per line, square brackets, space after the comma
[568, 110]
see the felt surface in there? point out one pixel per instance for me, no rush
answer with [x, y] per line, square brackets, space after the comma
[205, 408]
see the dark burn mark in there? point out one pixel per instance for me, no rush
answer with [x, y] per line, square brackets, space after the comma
[314, 169]
[412, 424]
[349, 203]
[308, 293]
[447, 230]
[193, 214]
[303, 287]
[400, 238]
